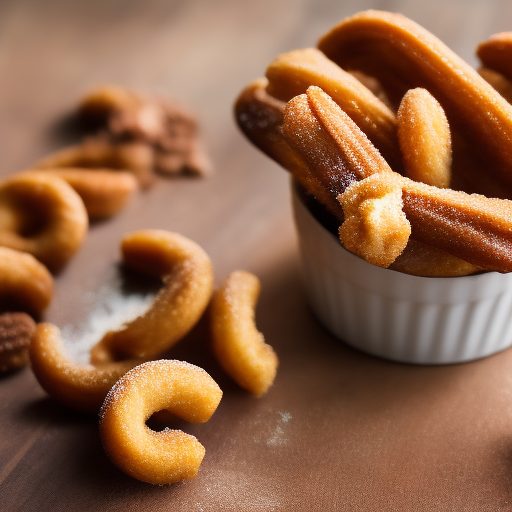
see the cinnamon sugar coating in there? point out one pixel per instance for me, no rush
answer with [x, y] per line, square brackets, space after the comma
[186, 272]
[402, 55]
[238, 345]
[375, 226]
[290, 74]
[454, 130]
[157, 457]
[425, 139]
[79, 387]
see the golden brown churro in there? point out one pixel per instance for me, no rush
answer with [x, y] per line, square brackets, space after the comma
[260, 117]
[157, 457]
[375, 226]
[402, 55]
[327, 152]
[103, 191]
[425, 139]
[79, 387]
[99, 153]
[238, 345]
[25, 283]
[42, 215]
[495, 53]
[472, 227]
[186, 272]
[290, 74]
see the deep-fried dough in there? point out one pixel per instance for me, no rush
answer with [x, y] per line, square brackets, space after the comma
[25, 283]
[79, 387]
[157, 457]
[425, 139]
[498, 81]
[496, 53]
[290, 74]
[375, 226]
[103, 191]
[238, 345]
[424, 260]
[402, 55]
[16, 330]
[186, 272]
[472, 227]
[260, 117]
[42, 215]
[133, 156]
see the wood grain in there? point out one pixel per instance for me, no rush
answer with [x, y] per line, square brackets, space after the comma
[339, 430]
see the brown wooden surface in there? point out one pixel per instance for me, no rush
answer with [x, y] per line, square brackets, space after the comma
[339, 430]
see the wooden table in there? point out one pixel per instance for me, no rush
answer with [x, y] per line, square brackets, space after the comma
[339, 430]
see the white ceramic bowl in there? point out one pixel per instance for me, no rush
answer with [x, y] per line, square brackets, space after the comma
[422, 320]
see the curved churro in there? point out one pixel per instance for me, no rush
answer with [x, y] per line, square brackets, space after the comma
[42, 215]
[133, 156]
[425, 139]
[103, 191]
[80, 387]
[157, 457]
[186, 272]
[238, 345]
[25, 283]
[402, 55]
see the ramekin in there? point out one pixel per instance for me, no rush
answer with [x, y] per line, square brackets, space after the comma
[411, 319]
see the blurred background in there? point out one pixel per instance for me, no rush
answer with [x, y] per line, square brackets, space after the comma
[200, 52]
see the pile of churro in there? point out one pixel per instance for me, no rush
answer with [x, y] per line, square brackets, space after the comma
[406, 146]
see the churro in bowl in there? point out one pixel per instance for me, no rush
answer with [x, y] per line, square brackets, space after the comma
[401, 158]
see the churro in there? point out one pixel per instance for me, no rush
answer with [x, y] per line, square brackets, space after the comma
[79, 387]
[425, 139]
[42, 215]
[186, 272]
[101, 153]
[157, 457]
[402, 55]
[104, 192]
[238, 345]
